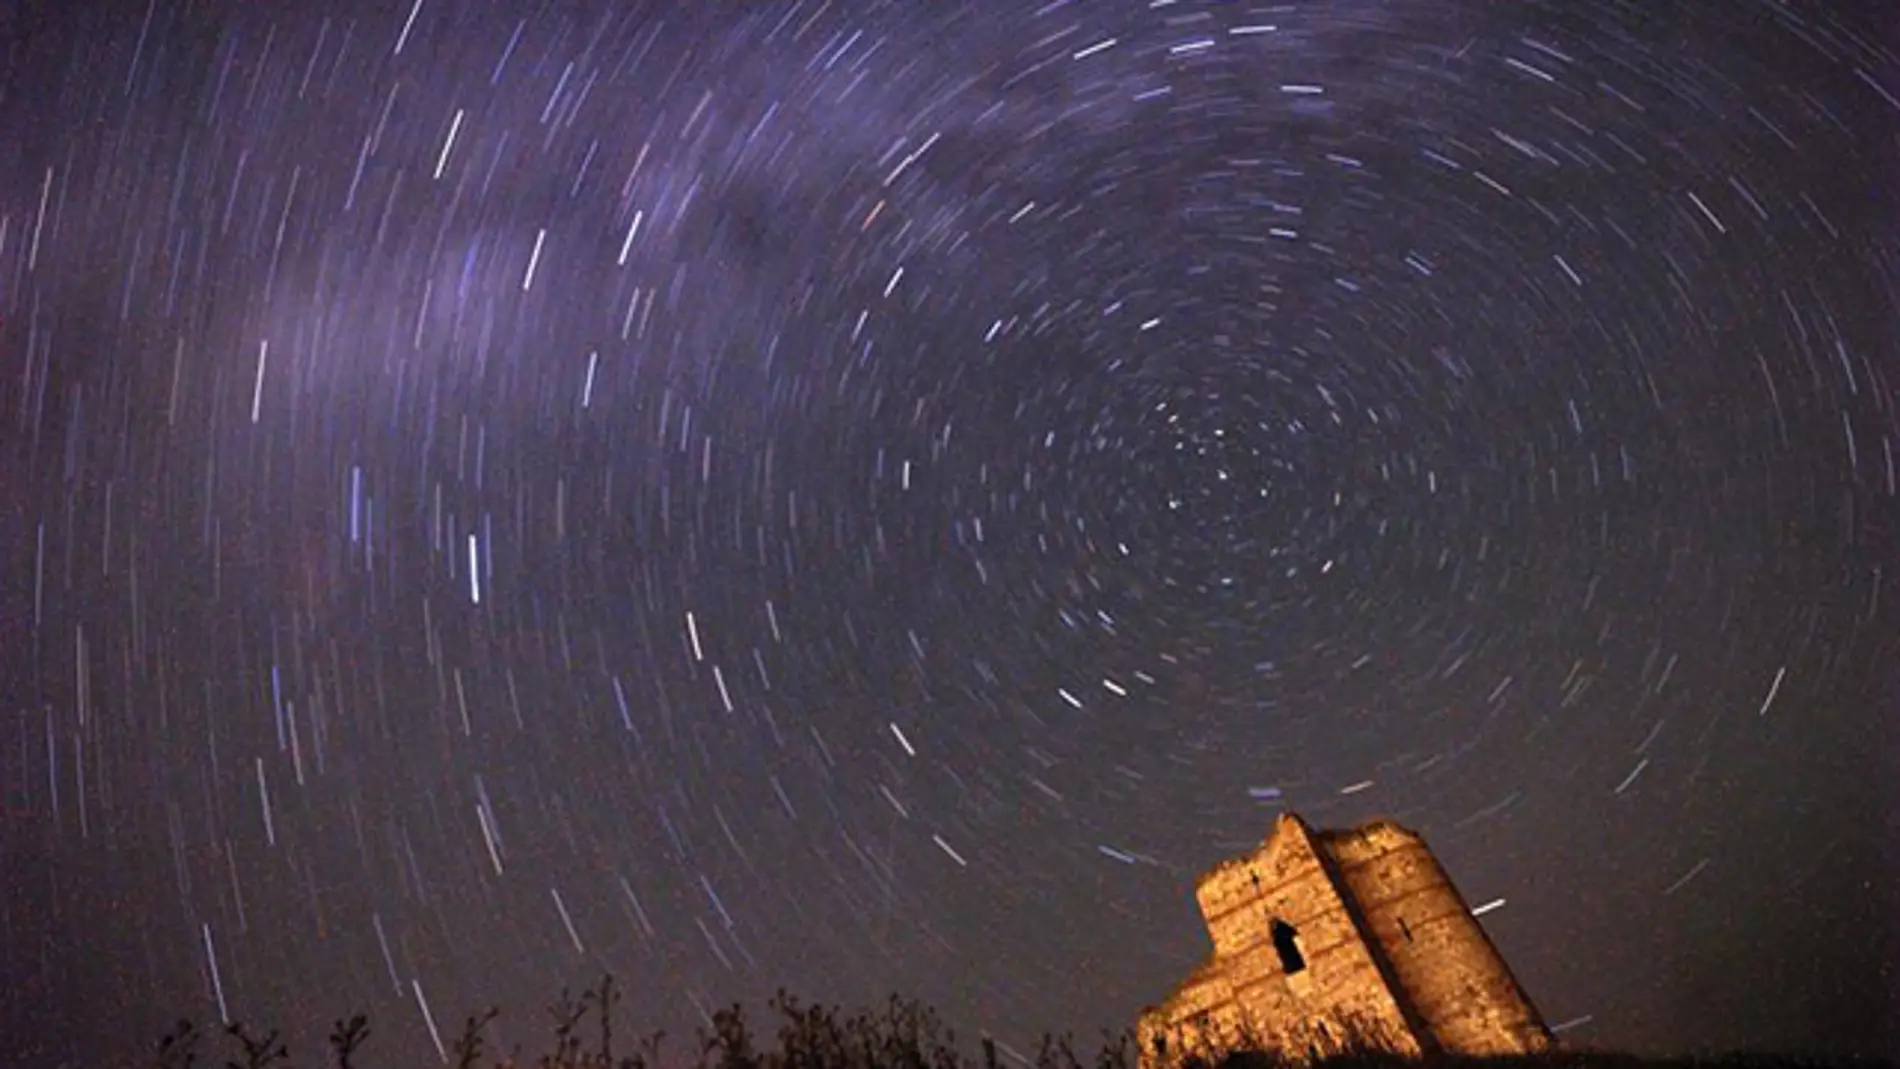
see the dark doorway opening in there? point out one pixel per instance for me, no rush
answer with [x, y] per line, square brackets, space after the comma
[1286, 942]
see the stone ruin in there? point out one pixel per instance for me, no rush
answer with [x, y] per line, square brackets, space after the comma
[1329, 940]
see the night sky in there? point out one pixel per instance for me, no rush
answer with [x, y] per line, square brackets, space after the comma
[876, 497]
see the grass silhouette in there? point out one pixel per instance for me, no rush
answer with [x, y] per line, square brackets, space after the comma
[903, 1034]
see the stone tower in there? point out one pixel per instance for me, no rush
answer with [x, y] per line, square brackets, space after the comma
[1332, 937]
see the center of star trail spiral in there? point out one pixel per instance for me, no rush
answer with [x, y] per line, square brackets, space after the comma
[862, 497]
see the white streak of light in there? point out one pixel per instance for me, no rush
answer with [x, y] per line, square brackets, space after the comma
[442, 161]
[217, 981]
[946, 848]
[1686, 877]
[488, 836]
[257, 390]
[905, 163]
[1773, 690]
[567, 921]
[1574, 1022]
[534, 258]
[632, 229]
[1631, 778]
[403, 39]
[474, 572]
[39, 221]
[1707, 214]
[389, 960]
[427, 1017]
[639, 911]
[263, 798]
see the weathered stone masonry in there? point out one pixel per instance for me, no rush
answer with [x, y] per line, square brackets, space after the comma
[1331, 936]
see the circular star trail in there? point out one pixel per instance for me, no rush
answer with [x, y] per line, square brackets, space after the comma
[869, 497]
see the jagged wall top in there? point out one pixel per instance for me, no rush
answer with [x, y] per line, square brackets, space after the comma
[1344, 846]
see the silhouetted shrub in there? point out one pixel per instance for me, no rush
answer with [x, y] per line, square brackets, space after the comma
[903, 1034]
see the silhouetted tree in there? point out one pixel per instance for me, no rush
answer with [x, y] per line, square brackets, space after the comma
[346, 1037]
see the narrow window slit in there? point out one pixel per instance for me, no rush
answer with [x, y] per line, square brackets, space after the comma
[1286, 942]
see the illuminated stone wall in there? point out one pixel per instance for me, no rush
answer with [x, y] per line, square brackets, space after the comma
[1326, 939]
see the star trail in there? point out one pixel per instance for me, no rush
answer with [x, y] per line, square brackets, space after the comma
[873, 496]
